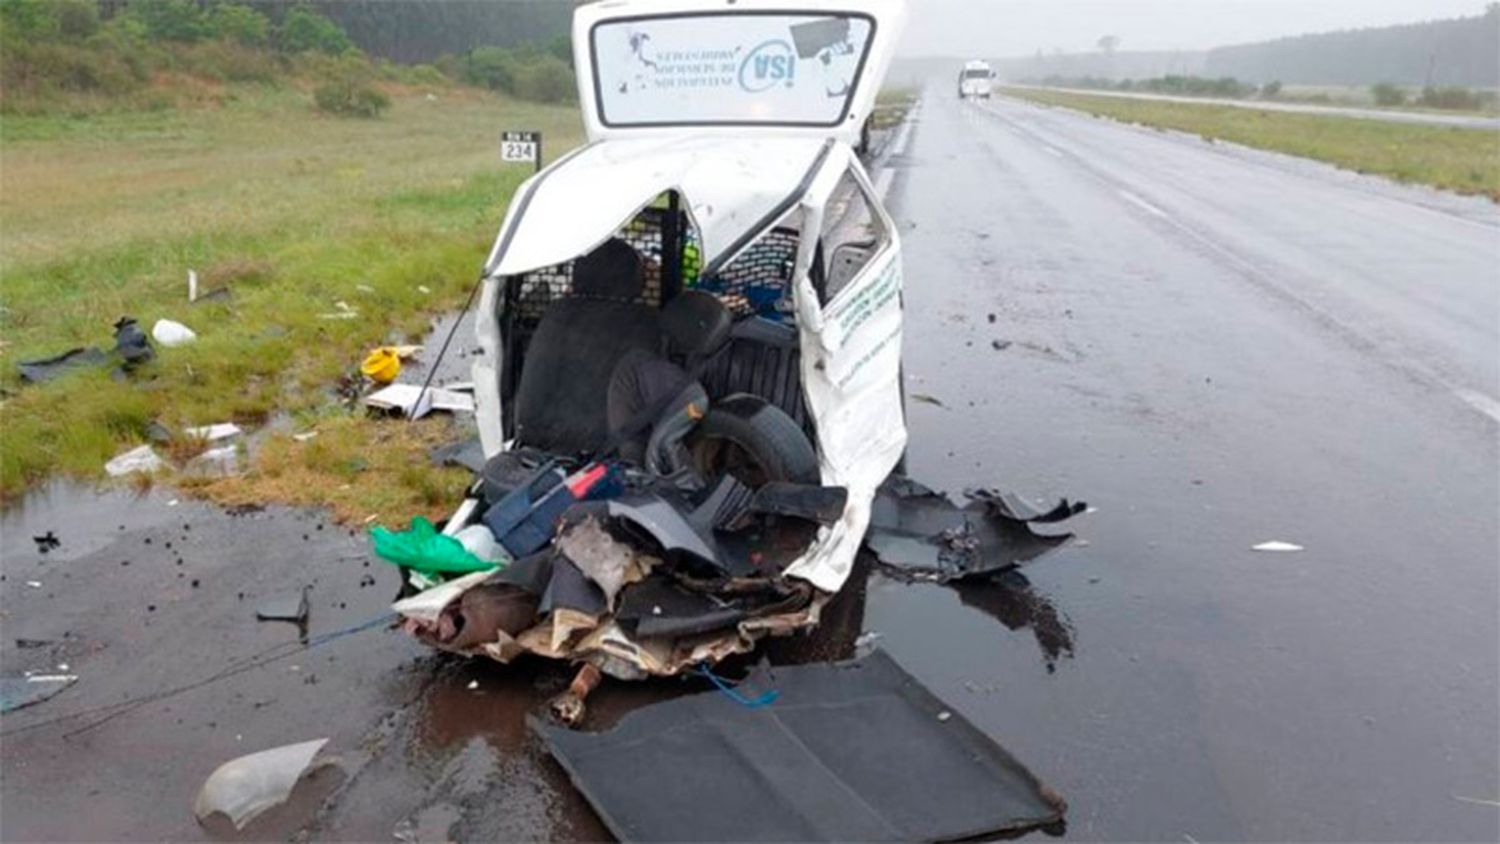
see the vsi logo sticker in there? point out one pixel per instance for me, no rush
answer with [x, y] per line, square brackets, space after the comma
[769, 63]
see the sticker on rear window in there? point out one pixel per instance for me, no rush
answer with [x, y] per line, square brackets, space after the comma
[738, 68]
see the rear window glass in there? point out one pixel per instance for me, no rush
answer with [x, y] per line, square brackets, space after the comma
[746, 68]
[976, 74]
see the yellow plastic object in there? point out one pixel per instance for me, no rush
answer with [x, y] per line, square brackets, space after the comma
[382, 365]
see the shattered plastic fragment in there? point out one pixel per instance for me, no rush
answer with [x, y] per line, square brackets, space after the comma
[245, 787]
[919, 533]
[170, 333]
[1276, 545]
[217, 431]
[140, 459]
[45, 369]
[21, 692]
[291, 607]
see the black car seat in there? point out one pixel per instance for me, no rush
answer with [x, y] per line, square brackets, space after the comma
[560, 403]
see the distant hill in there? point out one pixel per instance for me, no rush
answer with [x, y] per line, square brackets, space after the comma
[1127, 64]
[1461, 51]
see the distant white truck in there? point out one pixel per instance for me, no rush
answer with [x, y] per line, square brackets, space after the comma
[976, 80]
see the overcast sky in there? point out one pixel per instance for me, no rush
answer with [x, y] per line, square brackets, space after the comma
[1021, 27]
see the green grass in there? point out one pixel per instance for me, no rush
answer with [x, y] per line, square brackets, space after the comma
[1457, 159]
[103, 215]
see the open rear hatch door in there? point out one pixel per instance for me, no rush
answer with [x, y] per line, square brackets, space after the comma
[672, 66]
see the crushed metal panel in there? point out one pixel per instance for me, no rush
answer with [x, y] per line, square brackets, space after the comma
[849, 751]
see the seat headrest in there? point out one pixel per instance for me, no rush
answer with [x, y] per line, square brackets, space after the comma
[611, 271]
[696, 322]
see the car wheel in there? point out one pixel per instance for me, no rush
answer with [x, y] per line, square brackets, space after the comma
[753, 440]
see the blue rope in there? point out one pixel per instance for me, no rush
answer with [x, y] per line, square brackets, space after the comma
[765, 698]
[384, 618]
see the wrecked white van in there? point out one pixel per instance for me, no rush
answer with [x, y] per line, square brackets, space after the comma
[691, 339]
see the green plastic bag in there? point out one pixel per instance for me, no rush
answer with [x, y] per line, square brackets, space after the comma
[424, 549]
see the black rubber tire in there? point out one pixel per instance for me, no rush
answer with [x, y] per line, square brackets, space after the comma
[763, 432]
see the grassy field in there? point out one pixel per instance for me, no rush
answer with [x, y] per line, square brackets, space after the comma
[1456, 159]
[103, 215]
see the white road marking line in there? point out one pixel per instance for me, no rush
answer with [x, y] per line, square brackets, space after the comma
[1488, 405]
[883, 182]
[1142, 204]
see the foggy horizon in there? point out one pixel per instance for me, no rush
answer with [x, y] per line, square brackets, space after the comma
[1003, 28]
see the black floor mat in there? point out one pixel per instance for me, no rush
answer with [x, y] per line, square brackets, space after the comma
[854, 751]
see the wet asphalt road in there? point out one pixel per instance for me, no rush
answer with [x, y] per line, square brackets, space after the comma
[1213, 347]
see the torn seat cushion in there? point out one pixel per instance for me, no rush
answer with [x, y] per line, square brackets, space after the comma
[560, 402]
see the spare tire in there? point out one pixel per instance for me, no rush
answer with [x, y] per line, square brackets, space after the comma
[755, 441]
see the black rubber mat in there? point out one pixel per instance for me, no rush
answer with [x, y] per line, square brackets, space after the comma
[854, 751]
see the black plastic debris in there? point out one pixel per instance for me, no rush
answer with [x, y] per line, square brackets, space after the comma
[131, 343]
[853, 751]
[918, 533]
[821, 504]
[46, 369]
[47, 541]
[466, 453]
[291, 607]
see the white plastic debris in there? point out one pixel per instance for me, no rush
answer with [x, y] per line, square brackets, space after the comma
[305, 436]
[224, 460]
[428, 605]
[341, 310]
[170, 333]
[217, 431]
[245, 787]
[1276, 545]
[139, 459]
[479, 540]
[34, 584]
[192, 285]
[473, 684]
[403, 397]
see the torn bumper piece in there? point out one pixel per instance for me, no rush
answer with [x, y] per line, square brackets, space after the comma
[854, 751]
[922, 535]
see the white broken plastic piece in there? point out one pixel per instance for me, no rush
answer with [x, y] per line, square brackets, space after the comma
[217, 431]
[427, 606]
[1276, 545]
[305, 436]
[223, 461]
[460, 518]
[169, 333]
[405, 352]
[139, 459]
[341, 310]
[243, 788]
[192, 285]
[479, 540]
[403, 397]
